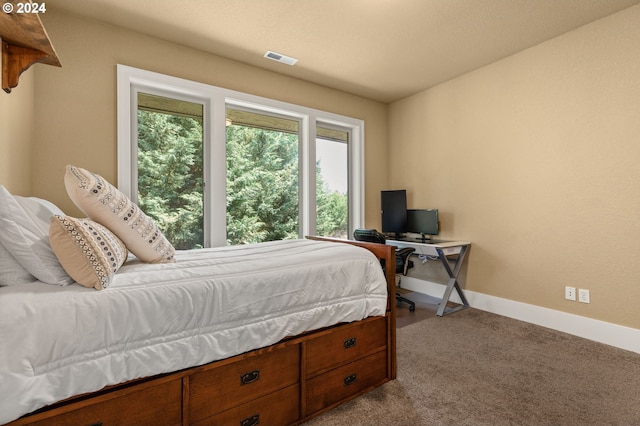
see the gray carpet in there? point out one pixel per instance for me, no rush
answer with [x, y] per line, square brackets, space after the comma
[476, 368]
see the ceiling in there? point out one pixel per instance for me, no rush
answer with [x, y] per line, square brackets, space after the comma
[383, 50]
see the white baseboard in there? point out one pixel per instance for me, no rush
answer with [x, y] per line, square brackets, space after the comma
[611, 334]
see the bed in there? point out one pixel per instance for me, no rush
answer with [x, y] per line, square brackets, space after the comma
[103, 322]
[271, 333]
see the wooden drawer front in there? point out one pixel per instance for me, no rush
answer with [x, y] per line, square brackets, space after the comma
[343, 382]
[332, 350]
[278, 409]
[161, 404]
[227, 386]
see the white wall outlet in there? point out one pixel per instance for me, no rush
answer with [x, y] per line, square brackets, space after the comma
[570, 293]
[583, 296]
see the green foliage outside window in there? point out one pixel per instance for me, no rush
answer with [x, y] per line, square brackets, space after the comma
[170, 176]
[262, 183]
[332, 210]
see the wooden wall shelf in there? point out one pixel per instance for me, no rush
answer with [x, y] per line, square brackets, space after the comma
[24, 43]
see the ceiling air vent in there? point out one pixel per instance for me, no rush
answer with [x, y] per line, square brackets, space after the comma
[280, 58]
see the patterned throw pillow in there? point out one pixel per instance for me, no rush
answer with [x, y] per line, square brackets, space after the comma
[88, 251]
[105, 204]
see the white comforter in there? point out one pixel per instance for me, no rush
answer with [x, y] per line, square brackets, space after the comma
[56, 342]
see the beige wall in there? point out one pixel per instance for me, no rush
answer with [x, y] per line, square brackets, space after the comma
[76, 104]
[532, 158]
[535, 159]
[16, 136]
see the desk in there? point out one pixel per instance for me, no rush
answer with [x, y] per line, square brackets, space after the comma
[442, 249]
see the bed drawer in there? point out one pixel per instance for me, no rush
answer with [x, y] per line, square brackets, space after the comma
[356, 341]
[278, 408]
[160, 404]
[346, 381]
[230, 385]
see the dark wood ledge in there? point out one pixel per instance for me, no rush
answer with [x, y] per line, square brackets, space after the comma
[24, 43]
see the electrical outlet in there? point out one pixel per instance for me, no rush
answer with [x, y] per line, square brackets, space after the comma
[570, 293]
[583, 296]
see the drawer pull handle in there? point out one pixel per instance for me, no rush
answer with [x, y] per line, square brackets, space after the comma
[98, 423]
[349, 343]
[251, 421]
[349, 380]
[250, 377]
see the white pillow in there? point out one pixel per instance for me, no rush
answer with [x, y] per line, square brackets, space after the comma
[88, 251]
[105, 204]
[24, 232]
[12, 272]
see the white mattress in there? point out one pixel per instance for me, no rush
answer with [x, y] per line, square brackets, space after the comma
[56, 342]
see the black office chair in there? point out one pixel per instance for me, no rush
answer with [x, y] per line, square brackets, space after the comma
[402, 257]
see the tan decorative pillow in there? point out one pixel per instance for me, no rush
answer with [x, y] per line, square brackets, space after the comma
[89, 252]
[105, 204]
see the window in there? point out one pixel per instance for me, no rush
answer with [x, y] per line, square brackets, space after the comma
[263, 202]
[217, 167]
[332, 182]
[170, 167]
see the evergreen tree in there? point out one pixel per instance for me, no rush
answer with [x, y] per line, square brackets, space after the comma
[170, 176]
[332, 209]
[262, 183]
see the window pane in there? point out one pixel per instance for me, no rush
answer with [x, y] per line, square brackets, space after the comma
[332, 183]
[170, 167]
[262, 178]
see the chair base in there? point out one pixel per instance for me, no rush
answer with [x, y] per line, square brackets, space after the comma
[412, 305]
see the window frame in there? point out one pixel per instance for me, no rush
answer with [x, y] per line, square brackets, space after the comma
[349, 131]
[215, 100]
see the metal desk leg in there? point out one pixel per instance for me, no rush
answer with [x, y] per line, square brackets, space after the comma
[453, 282]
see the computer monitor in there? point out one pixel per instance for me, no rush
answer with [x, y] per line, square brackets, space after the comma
[423, 222]
[394, 212]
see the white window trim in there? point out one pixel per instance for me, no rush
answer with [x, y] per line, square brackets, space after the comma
[215, 99]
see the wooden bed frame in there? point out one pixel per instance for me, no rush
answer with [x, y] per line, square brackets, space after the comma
[286, 383]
